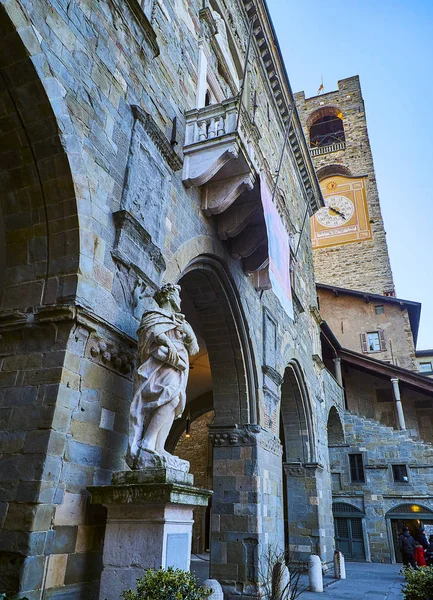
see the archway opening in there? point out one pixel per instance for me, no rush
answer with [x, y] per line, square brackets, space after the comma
[217, 396]
[335, 428]
[301, 529]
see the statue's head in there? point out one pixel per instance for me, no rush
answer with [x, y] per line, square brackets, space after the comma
[169, 292]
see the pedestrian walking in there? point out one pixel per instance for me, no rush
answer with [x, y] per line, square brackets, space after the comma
[407, 545]
[419, 556]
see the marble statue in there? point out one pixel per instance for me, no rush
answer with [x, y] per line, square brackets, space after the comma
[165, 342]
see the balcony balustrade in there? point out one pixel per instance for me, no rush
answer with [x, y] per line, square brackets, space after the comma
[335, 147]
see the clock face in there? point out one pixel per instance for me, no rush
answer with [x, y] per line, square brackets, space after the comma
[337, 212]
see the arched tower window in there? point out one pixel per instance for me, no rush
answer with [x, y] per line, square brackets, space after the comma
[326, 127]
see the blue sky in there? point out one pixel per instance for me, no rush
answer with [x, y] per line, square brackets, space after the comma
[389, 44]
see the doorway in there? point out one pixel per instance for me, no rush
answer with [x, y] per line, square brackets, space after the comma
[349, 531]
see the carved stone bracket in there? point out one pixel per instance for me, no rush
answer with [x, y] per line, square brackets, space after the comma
[297, 469]
[219, 196]
[110, 354]
[244, 435]
[236, 218]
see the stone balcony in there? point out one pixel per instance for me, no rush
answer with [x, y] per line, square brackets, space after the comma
[219, 151]
[220, 159]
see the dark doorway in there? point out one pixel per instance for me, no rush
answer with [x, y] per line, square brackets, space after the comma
[349, 537]
[349, 534]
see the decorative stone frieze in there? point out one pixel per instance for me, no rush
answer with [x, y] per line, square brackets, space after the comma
[110, 354]
[245, 435]
[302, 469]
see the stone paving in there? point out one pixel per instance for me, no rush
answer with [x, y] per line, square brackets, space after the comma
[364, 581]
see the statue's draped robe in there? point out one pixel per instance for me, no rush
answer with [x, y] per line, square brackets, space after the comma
[158, 383]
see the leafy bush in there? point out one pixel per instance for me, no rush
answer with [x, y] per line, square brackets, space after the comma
[170, 584]
[419, 583]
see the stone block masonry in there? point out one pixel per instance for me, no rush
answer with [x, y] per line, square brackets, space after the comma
[94, 217]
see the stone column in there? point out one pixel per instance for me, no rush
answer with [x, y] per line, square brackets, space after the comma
[149, 524]
[310, 526]
[338, 373]
[396, 388]
[247, 509]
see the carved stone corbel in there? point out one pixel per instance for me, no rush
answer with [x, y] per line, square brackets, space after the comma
[234, 220]
[220, 195]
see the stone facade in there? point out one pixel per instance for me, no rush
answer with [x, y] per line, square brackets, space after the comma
[362, 265]
[105, 196]
[380, 499]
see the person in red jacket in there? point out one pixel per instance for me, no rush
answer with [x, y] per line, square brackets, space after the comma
[419, 556]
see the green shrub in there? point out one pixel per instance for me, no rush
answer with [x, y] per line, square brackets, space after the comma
[419, 584]
[170, 584]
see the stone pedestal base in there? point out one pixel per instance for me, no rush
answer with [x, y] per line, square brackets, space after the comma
[149, 524]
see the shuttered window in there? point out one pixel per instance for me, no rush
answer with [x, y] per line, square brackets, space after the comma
[373, 341]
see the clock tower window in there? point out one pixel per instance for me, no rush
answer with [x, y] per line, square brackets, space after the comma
[326, 131]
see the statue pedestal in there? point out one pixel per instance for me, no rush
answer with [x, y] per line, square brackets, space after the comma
[149, 524]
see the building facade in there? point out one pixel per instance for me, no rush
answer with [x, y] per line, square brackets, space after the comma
[128, 161]
[380, 444]
[383, 327]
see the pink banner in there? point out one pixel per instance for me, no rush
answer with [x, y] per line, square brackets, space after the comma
[279, 251]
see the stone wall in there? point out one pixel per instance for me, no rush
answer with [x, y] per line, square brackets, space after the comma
[95, 221]
[363, 265]
[349, 316]
[381, 447]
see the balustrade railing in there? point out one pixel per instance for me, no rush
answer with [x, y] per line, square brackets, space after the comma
[327, 149]
[211, 121]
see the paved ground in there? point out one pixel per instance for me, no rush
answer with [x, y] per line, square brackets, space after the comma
[365, 581]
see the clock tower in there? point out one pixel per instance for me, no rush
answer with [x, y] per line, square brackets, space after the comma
[348, 235]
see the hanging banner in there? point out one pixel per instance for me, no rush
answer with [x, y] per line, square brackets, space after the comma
[278, 249]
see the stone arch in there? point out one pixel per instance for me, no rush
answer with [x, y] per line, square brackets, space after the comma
[326, 127]
[409, 509]
[223, 325]
[335, 428]
[296, 419]
[324, 111]
[37, 194]
[333, 170]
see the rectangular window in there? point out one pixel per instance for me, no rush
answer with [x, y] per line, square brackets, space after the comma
[425, 367]
[373, 341]
[379, 309]
[400, 473]
[356, 468]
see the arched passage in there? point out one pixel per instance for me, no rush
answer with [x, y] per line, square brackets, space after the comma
[39, 246]
[36, 189]
[221, 399]
[302, 476]
[414, 516]
[296, 419]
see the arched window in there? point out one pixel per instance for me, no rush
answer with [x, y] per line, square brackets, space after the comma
[326, 127]
[326, 131]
